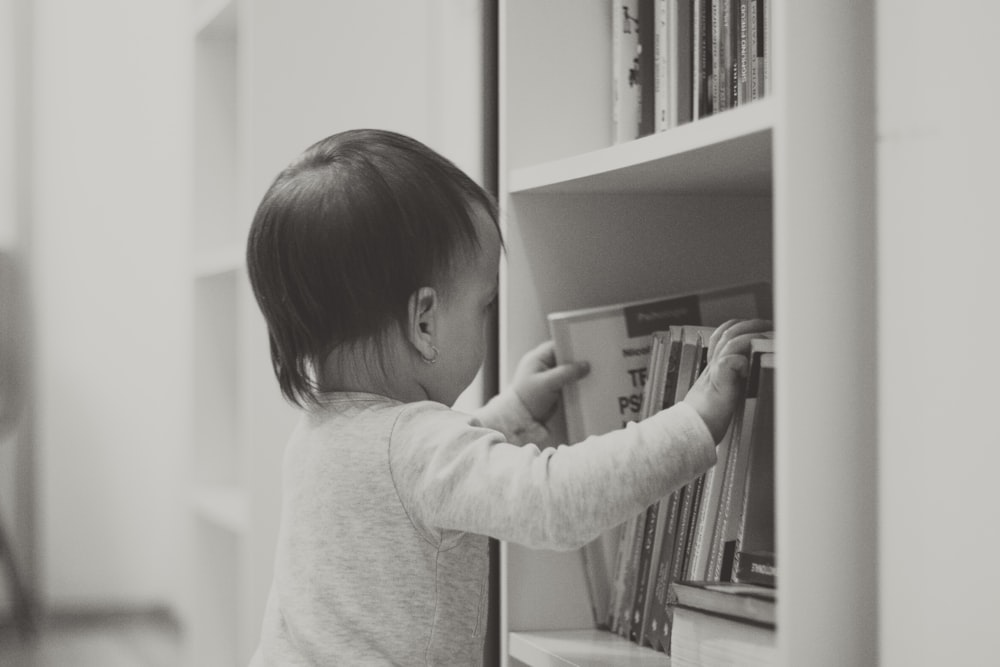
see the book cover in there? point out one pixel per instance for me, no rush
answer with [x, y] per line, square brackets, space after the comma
[749, 603]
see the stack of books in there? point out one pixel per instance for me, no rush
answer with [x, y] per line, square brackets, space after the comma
[718, 528]
[674, 61]
[721, 624]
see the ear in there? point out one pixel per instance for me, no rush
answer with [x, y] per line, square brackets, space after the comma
[422, 327]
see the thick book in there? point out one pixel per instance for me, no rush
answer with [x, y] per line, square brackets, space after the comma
[699, 639]
[748, 603]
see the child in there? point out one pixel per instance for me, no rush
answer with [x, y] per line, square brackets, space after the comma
[374, 261]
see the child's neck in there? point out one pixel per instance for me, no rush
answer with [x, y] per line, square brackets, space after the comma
[356, 368]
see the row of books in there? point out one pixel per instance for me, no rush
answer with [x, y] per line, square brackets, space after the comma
[674, 61]
[717, 528]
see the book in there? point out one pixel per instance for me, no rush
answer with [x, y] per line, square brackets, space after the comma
[699, 639]
[730, 512]
[748, 603]
[722, 624]
[756, 567]
[661, 65]
[647, 97]
[626, 65]
[755, 530]
[683, 36]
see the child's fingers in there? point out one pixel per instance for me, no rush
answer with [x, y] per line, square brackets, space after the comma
[544, 354]
[713, 340]
[738, 345]
[557, 377]
[734, 329]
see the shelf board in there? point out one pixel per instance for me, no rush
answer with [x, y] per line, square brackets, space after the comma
[215, 19]
[226, 507]
[729, 152]
[209, 263]
[581, 648]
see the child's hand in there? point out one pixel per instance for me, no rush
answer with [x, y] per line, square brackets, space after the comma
[717, 390]
[538, 380]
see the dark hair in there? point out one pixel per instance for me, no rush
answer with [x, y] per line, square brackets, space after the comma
[343, 237]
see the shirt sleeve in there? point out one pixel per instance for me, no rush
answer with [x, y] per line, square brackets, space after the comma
[506, 413]
[453, 474]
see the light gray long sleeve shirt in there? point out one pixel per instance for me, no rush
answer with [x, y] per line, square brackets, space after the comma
[382, 554]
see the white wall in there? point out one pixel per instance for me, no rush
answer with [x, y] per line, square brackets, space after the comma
[109, 251]
[939, 286]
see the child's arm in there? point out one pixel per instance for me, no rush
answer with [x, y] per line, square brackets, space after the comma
[453, 475]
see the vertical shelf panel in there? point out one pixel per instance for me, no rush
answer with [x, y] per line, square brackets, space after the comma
[215, 135]
[216, 395]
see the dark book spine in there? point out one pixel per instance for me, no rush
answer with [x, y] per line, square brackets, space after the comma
[642, 579]
[658, 625]
[756, 567]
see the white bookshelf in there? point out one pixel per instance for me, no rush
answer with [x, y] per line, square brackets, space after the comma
[219, 496]
[779, 190]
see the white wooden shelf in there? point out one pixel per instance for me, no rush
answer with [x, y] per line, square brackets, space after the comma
[581, 648]
[224, 506]
[729, 152]
[215, 18]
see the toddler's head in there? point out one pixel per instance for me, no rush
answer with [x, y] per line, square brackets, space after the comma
[374, 261]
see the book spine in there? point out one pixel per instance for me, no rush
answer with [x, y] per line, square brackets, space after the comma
[752, 48]
[642, 576]
[657, 622]
[626, 69]
[647, 99]
[766, 29]
[744, 53]
[716, 80]
[685, 54]
[661, 48]
[733, 50]
[702, 40]
[756, 567]
[631, 574]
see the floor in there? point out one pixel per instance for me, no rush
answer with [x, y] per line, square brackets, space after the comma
[141, 640]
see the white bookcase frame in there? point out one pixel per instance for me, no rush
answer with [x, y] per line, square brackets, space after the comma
[781, 189]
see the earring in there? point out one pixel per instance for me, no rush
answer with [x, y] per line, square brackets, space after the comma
[431, 359]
